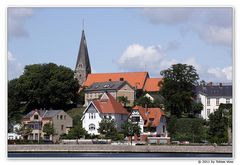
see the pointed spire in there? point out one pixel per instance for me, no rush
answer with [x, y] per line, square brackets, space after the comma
[83, 67]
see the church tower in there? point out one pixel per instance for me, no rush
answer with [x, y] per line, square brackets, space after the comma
[83, 67]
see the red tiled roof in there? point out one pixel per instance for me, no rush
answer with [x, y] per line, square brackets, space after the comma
[150, 113]
[109, 105]
[135, 79]
[151, 84]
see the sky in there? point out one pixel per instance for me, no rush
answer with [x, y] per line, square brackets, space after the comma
[124, 39]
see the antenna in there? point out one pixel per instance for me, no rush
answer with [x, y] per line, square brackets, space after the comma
[83, 24]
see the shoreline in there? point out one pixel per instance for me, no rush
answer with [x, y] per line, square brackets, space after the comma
[107, 148]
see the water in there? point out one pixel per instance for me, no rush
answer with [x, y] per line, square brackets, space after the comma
[114, 155]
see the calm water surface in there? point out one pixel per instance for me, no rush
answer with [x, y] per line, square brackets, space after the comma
[114, 155]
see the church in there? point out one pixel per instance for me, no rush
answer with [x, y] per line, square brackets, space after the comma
[138, 80]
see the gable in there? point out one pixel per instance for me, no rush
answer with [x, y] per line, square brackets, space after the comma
[91, 109]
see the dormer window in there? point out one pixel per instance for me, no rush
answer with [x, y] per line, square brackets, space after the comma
[121, 79]
[35, 117]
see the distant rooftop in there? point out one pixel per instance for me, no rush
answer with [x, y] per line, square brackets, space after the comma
[43, 113]
[213, 89]
[108, 85]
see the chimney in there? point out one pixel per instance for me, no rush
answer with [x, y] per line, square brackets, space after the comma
[210, 84]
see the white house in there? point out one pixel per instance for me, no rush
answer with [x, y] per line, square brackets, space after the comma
[212, 95]
[104, 108]
[152, 121]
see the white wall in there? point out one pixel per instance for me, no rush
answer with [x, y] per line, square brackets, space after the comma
[212, 107]
[136, 114]
[87, 120]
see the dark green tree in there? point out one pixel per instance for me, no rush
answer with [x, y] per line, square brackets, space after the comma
[196, 108]
[41, 86]
[186, 129]
[123, 100]
[144, 102]
[219, 124]
[172, 125]
[76, 132]
[107, 127]
[48, 130]
[178, 88]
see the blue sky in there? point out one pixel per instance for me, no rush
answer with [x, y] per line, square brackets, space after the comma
[123, 39]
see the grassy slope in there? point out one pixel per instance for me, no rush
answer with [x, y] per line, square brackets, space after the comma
[75, 111]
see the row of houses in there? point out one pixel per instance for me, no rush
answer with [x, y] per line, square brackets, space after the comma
[101, 103]
[106, 107]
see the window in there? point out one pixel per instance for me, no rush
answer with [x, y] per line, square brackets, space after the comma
[36, 136]
[208, 112]
[121, 79]
[163, 128]
[91, 127]
[57, 117]
[217, 101]
[62, 127]
[208, 101]
[64, 117]
[35, 117]
[135, 119]
[121, 116]
[227, 101]
[61, 117]
[92, 115]
[36, 126]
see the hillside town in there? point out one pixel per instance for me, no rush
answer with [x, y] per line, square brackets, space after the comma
[126, 108]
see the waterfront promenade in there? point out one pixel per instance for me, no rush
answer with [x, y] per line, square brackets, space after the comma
[107, 148]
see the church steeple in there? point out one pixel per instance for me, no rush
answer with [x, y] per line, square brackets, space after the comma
[83, 67]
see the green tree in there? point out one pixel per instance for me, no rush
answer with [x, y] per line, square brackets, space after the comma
[131, 129]
[76, 132]
[196, 108]
[144, 101]
[41, 86]
[107, 127]
[186, 129]
[123, 100]
[219, 123]
[172, 125]
[48, 130]
[178, 88]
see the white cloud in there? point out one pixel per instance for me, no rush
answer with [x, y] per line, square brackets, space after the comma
[216, 35]
[154, 59]
[15, 68]
[221, 74]
[16, 21]
[10, 57]
[212, 25]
